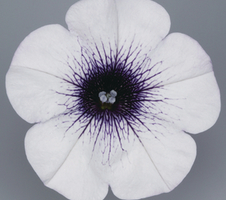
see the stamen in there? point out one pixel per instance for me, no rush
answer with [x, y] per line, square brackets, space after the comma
[113, 93]
[103, 98]
[112, 100]
[102, 93]
[108, 97]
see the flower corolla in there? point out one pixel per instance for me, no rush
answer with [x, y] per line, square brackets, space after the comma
[112, 98]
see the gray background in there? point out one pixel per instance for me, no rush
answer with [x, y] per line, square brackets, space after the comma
[204, 20]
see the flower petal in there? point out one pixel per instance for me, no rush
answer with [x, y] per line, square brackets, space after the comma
[183, 89]
[95, 22]
[61, 161]
[80, 165]
[154, 165]
[36, 96]
[125, 24]
[50, 49]
[142, 24]
[42, 62]
[178, 57]
[192, 104]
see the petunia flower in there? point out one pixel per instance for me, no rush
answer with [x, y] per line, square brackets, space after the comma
[112, 98]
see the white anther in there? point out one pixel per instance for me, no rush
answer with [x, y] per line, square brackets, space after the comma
[112, 100]
[108, 97]
[103, 98]
[102, 93]
[113, 93]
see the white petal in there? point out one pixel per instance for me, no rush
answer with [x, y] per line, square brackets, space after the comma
[62, 161]
[82, 168]
[125, 24]
[142, 24]
[36, 96]
[51, 49]
[41, 62]
[155, 166]
[183, 89]
[193, 104]
[95, 22]
[178, 57]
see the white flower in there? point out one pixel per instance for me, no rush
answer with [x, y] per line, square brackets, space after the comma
[112, 98]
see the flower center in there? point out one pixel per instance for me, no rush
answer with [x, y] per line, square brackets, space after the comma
[109, 90]
[109, 95]
[107, 99]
